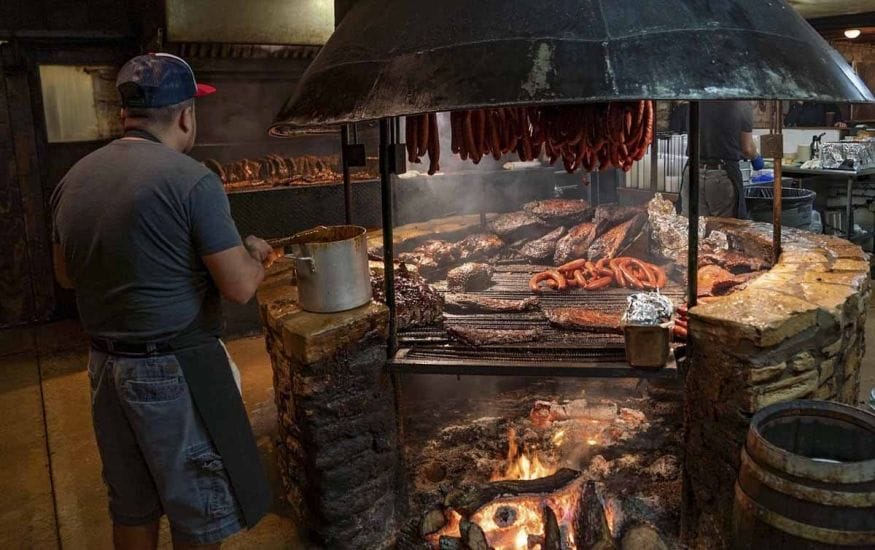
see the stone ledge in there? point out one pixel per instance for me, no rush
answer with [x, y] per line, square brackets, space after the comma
[312, 337]
[818, 277]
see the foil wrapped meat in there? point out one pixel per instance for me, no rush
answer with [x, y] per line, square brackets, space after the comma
[669, 230]
[648, 308]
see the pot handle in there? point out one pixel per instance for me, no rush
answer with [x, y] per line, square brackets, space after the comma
[307, 259]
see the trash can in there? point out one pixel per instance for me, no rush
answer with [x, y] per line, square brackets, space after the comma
[796, 205]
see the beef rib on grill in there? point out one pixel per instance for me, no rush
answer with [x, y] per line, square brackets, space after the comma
[583, 319]
[474, 302]
[486, 336]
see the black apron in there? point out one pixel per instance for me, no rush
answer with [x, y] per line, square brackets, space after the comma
[217, 399]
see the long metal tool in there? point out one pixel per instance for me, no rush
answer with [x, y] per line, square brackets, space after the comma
[388, 230]
[693, 209]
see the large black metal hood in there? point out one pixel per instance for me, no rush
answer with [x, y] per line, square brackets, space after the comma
[398, 57]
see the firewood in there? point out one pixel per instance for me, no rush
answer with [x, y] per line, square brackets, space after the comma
[552, 536]
[432, 522]
[473, 537]
[469, 499]
[591, 521]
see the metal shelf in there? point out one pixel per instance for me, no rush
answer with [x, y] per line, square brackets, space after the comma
[402, 364]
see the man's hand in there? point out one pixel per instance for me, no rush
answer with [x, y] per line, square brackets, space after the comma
[259, 250]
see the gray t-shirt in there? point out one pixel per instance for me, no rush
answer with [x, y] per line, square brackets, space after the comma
[133, 220]
[721, 124]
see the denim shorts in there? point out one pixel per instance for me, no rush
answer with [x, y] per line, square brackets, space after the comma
[157, 456]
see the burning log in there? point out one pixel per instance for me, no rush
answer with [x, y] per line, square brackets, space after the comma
[592, 523]
[473, 537]
[552, 535]
[432, 522]
[468, 500]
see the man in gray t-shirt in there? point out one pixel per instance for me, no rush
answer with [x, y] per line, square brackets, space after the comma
[725, 138]
[144, 235]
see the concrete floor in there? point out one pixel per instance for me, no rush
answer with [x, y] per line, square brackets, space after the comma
[53, 495]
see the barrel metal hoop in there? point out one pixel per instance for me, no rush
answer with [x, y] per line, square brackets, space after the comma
[802, 530]
[811, 494]
[799, 466]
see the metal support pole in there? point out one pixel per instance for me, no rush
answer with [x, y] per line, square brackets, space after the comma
[388, 231]
[347, 184]
[778, 188]
[693, 243]
[850, 222]
[654, 160]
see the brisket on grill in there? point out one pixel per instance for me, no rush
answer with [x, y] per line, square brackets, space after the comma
[479, 246]
[732, 261]
[470, 277]
[556, 212]
[474, 302]
[514, 226]
[417, 303]
[608, 216]
[541, 250]
[575, 244]
[485, 336]
[713, 280]
[432, 257]
[611, 243]
[587, 320]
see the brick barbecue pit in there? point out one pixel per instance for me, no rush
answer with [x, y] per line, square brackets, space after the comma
[794, 332]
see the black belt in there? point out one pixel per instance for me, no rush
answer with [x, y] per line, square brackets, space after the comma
[118, 347]
[712, 164]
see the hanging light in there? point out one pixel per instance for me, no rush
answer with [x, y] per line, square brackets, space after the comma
[853, 33]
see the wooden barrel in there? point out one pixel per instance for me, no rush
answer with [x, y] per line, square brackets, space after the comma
[807, 478]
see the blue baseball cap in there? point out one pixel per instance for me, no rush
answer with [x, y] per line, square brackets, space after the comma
[158, 80]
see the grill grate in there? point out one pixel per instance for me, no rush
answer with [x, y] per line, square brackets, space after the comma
[431, 349]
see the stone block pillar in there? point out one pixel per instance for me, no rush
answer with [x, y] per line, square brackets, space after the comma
[337, 430]
[796, 332]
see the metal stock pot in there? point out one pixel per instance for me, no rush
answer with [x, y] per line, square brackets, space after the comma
[331, 265]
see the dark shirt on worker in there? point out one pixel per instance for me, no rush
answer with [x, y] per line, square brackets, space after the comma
[133, 220]
[812, 114]
[721, 124]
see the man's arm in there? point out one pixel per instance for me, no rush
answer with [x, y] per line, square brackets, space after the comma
[238, 271]
[60, 263]
[748, 147]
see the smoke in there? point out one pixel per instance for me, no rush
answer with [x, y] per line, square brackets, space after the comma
[462, 187]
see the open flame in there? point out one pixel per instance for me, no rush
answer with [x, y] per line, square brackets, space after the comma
[523, 463]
